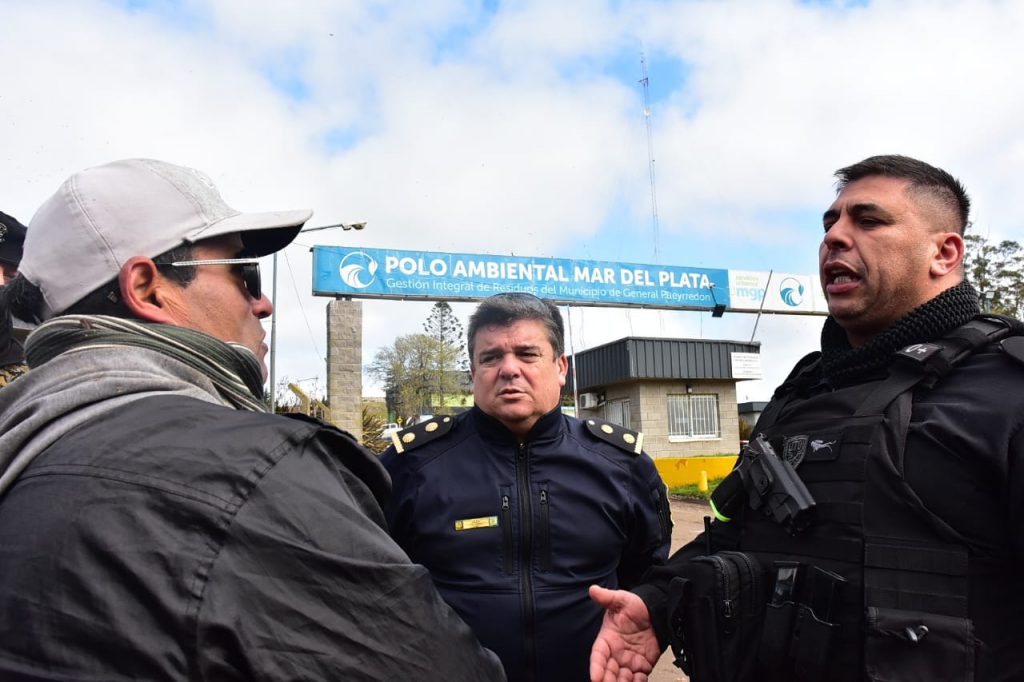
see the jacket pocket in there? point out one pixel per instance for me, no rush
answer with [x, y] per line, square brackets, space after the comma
[659, 496]
[907, 646]
[715, 616]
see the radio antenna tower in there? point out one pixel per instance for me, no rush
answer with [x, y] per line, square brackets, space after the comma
[650, 155]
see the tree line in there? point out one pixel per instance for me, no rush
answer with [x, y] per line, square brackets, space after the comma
[425, 373]
[996, 271]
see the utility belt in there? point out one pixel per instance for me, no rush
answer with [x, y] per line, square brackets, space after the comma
[741, 616]
[732, 620]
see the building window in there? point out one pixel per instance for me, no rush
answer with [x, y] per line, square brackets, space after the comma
[693, 416]
[617, 412]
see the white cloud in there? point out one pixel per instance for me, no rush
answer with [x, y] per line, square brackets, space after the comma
[520, 131]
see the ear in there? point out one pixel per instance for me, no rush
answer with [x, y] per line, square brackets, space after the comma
[146, 293]
[563, 369]
[949, 254]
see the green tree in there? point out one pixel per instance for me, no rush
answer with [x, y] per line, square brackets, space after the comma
[995, 271]
[373, 426]
[448, 353]
[404, 369]
[422, 372]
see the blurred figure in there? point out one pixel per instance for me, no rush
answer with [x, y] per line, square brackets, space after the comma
[12, 355]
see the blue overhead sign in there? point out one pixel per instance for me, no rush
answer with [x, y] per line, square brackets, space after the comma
[390, 273]
[387, 273]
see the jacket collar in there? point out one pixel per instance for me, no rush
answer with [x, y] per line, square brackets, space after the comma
[547, 427]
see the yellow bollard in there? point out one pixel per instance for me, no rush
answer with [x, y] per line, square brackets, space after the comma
[703, 485]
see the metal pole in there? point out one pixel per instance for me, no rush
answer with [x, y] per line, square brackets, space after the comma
[572, 355]
[273, 341]
[273, 318]
[760, 308]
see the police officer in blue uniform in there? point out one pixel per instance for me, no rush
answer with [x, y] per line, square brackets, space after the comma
[516, 508]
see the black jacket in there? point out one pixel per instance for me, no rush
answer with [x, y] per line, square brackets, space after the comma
[514, 534]
[178, 540]
[960, 479]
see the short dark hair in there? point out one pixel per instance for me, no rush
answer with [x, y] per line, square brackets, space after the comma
[506, 309]
[924, 178]
[26, 299]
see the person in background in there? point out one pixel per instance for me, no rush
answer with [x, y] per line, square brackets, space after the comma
[516, 508]
[12, 355]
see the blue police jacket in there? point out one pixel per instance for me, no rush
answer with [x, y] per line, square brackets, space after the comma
[514, 533]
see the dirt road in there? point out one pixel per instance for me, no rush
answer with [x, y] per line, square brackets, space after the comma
[688, 520]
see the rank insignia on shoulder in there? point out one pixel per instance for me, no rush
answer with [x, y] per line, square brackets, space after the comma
[619, 436]
[420, 434]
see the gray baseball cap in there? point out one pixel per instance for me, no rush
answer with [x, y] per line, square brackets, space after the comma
[101, 217]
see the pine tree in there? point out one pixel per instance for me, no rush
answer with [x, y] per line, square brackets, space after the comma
[995, 271]
[448, 353]
[420, 372]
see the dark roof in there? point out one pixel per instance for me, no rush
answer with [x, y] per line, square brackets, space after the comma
[634, 358]
[751, 407]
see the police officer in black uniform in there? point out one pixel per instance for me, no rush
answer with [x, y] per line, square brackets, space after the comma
[516, 508]
[875, 531]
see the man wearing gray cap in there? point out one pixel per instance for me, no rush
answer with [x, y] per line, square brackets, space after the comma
[155, 522]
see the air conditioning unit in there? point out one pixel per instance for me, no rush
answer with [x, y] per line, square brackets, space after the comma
[588, 401]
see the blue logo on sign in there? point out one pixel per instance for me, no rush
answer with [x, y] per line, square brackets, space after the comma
[357, 270]
[791, 291]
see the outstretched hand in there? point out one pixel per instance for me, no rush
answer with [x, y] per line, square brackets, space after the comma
[626, 648]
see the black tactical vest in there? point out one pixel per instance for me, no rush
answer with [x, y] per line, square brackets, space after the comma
[901, 613]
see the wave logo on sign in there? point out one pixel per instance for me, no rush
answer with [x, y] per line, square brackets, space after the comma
[791, 291]
[358, 270]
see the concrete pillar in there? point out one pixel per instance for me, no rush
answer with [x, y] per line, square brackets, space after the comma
[345, 364]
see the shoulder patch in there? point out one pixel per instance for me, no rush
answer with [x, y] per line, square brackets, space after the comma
[1014, 347]
[619, 436]
[422, 433]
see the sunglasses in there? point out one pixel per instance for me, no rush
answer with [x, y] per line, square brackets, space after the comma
[250, 268]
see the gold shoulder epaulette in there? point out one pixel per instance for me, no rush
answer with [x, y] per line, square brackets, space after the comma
[619, 436]
[419, 434]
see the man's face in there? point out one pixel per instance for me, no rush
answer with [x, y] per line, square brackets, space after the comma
[217, 302]
[516, 376]
[7, 273]
[876, 258]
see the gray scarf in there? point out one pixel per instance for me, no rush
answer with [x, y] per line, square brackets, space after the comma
[85, 366]
[233, 368]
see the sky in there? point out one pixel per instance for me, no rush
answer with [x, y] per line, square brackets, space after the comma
[518, 128]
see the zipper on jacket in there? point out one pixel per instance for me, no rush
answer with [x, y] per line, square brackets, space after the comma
[664, 518]
[725, 569]
[525, 560]
[506, 535]
[544, 533]
[753, 575]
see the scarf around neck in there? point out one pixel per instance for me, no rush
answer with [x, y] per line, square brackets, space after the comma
[233, 369]
[841, 363]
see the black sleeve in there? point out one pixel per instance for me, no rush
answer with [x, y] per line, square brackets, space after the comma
[1015, 488]
[651, 534]
[654, 589]
[309, 586]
